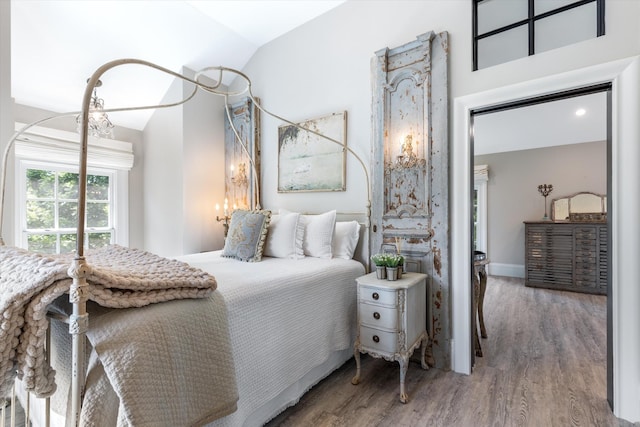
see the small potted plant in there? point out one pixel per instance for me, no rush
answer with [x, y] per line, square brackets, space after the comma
[392, 266]
[380, 260]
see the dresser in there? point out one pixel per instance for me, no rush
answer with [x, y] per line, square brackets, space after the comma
[391, 321]
[569, 256]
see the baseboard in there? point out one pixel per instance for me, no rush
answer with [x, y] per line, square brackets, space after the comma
[508, 270]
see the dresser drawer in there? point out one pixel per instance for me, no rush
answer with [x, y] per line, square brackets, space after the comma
[379, 316]
[378, 340]
[378, 296]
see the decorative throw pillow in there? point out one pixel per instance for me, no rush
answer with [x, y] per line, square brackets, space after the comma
[246, 235]
[345, 239]
[284, 236]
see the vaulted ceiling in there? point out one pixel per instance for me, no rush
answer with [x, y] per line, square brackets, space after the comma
[57, 45]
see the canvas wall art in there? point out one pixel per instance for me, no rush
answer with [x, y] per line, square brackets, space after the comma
[309, 162]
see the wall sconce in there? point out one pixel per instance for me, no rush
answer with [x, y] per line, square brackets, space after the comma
[226, 219]
[407, 159]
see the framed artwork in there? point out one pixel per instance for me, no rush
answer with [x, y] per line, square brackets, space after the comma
[309, 162]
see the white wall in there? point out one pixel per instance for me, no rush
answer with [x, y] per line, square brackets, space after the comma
[184, 173]
[323, 67]
[513, 197]
[6, 114]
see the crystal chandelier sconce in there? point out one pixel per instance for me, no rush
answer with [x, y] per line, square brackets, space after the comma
[99, 124]
[545, 189]
[407, 159]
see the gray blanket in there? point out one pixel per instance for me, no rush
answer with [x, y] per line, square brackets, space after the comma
[120, 278]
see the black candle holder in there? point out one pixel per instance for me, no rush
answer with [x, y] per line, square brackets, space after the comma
[545, 190]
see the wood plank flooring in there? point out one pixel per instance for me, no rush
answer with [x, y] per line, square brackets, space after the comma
[544, 364]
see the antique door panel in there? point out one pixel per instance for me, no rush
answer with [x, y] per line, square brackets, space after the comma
[242, 155]
[409, 209]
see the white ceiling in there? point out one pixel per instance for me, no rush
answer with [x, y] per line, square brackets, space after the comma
[57, 45]
[542, 125]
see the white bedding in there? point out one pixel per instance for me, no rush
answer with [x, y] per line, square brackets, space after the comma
[291, 322]
[286, 317]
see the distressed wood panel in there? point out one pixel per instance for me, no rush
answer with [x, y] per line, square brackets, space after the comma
[410, 168]
[240, 184]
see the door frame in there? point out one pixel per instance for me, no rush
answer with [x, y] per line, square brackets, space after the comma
[624, 75]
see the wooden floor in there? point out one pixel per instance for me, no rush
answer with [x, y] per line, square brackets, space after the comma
[544, 364]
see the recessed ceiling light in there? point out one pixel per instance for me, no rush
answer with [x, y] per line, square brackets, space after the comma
[580, 112]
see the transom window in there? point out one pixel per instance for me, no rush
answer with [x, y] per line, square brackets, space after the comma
[505, 30]
[50, 210]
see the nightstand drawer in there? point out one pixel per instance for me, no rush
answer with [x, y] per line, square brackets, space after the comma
[378, 296]
[378, 340]
[378, 316]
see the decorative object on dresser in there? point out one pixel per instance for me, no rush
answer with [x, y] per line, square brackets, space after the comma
[545, 190]
[569, 253]
[391, 321]
[409, 164]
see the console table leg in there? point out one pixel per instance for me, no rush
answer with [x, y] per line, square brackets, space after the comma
[356, 354]
[483, 288]
[404, 366]
[423, 362]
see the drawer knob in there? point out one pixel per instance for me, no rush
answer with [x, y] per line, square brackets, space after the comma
[375, 296]
[376, 315]
[376, 338]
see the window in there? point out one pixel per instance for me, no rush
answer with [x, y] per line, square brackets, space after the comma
[47, 191]
[50, 211]
[504, 30]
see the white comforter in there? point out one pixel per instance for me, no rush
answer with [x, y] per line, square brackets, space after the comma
[286, 317]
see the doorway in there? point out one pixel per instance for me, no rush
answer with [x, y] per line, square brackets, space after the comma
[562, 137]
[624, 74]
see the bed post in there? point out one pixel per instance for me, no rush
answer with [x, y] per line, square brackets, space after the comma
[78, 325]
[78, 271]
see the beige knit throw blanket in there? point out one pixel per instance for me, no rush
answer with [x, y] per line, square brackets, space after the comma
[119, 278]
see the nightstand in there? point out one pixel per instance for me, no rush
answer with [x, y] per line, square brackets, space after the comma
[391, 321]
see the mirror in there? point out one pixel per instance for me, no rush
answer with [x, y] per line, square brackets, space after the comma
[580, 207]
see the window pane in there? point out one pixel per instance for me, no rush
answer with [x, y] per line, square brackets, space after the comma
[98, 240]
[566, 28]
[543, 6]
[40, 214]
[40, 184]
[97, 187]
[43, 243]
[68, 185]
[68, 214]
[494, 14]
[503, 47]
[68, 243]
[97, 215]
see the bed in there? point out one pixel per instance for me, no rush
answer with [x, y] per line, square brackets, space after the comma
[291, 323]
[278, 317]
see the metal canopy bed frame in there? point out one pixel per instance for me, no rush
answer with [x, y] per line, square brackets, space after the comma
[79, 292]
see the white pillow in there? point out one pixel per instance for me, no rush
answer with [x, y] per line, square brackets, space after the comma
[284, 236]
[345, 239]
[318, 233]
